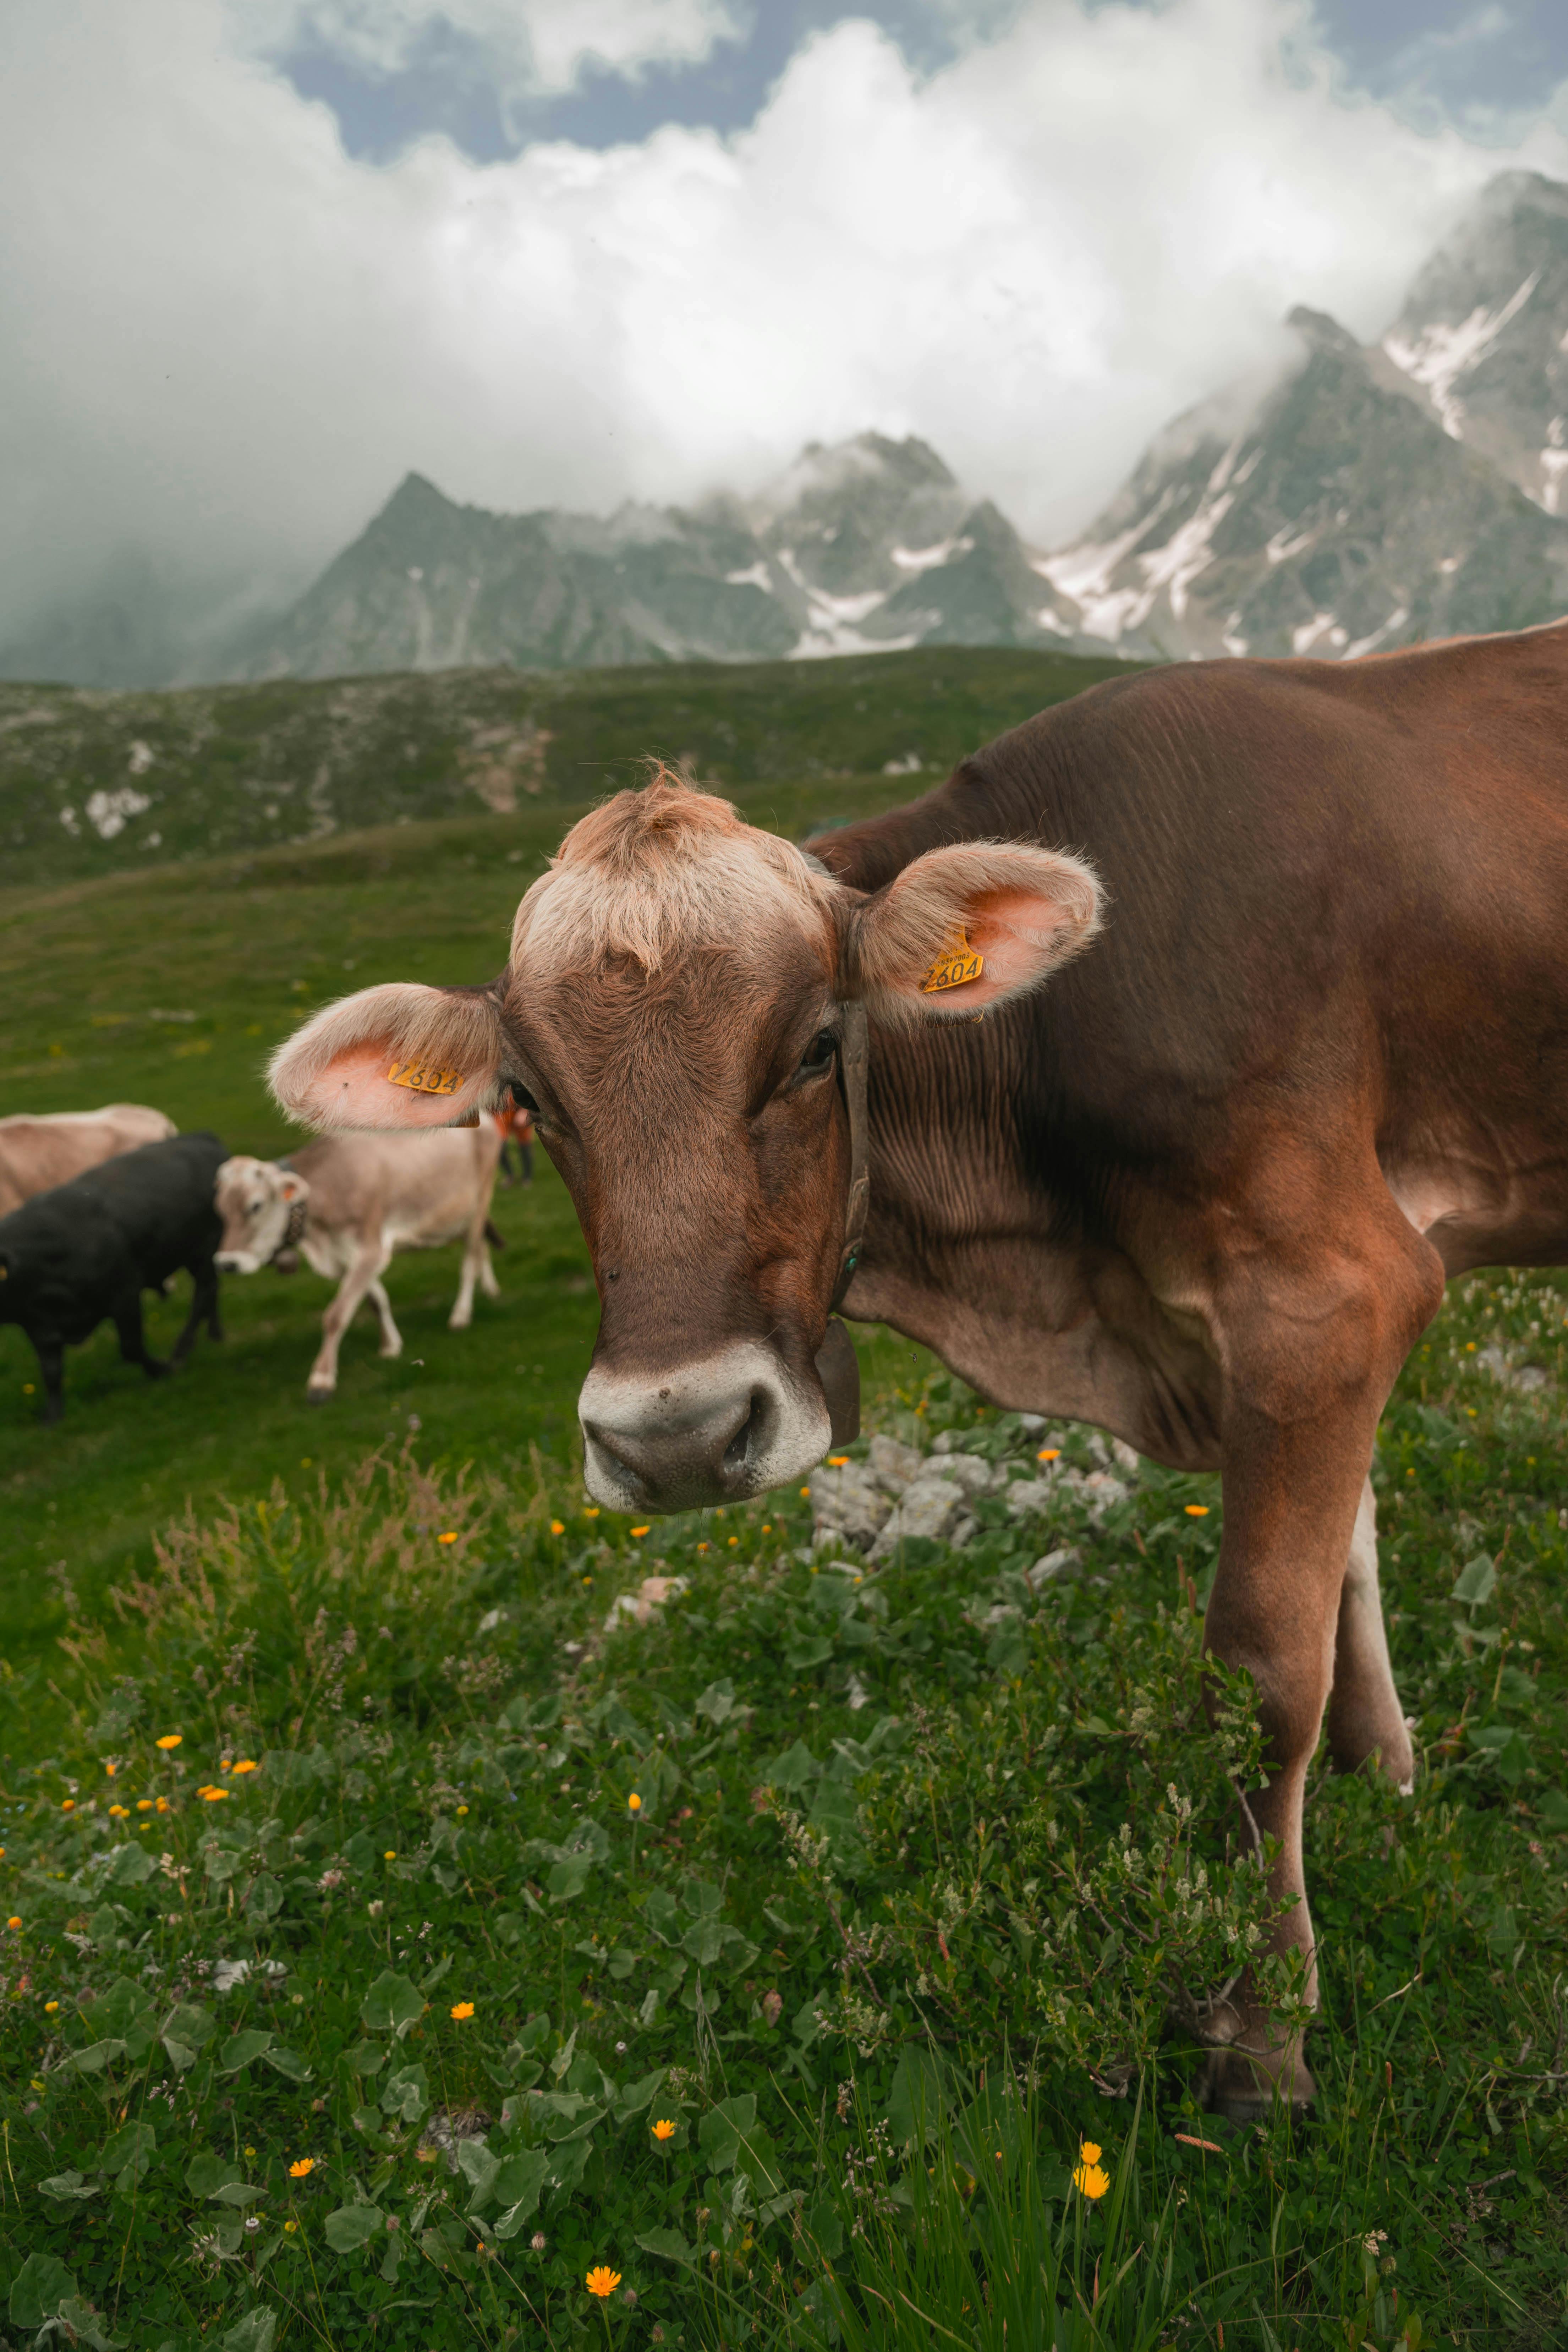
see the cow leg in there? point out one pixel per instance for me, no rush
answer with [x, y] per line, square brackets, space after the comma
[476, 1267]
[51, 1358]
[203, 1309]
[391, 1336]
[367, 1268]
[1314, 1352]
[1366, 1722]
[127, 1314]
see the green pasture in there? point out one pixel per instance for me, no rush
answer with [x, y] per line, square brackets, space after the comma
[172, 988]
[374, 2044]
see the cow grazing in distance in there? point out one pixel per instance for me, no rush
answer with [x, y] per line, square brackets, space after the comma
[1272, 969]
[83, 1254]
[40, 1151]
[348, 1203]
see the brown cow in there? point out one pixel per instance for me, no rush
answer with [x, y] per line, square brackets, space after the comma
[1203, 1188]
[40, 1151]
[347, 1204]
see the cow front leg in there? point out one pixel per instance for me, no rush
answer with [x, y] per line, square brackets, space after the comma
[366, 1269]
[477, 1268]
[1366, 1722]
[127, 1314]
[391, 1336]
[51, 1358]
[203, 1309]
[1313, 1350]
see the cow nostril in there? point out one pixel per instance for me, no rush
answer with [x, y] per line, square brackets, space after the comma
[749, 1434]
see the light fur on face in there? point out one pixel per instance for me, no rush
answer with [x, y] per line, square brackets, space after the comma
[655, 873]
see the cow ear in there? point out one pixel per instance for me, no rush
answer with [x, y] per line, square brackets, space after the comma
[401, 1055]
[969, 926]
[293, 1188]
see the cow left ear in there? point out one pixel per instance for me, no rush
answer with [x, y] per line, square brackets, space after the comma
[401, 1055]
[966, 927]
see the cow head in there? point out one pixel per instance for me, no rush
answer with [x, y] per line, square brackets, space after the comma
[670, 1016]
[258, 1200]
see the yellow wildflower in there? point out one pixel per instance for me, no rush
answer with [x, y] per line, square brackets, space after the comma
[602, 2280]
[664, 2128]
[248, 1764]
[300, 2166]
[50, 2007]
[590, 1510]
[462, 2008]
[391, 1854]
[170, 1739]
[162, 1805]
[119, 1812]
[1049, 1454]
[14, 1921]
[557, 1527]
[639, 1532]
[1091, 2178]
[143, 1804]
[462, 1809]
[451, 1536]
[634, 1803]
[733, 1540]
[837, 1461]
[1196, 1510]
[68, 1805]
[214, 1796]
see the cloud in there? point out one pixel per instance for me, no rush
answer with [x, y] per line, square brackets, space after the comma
[228, 341]
[530, 45]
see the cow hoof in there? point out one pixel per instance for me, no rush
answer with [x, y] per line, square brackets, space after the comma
[1251, 2090]
[318, 1396]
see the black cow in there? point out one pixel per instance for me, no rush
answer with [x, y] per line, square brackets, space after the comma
[73, 1258]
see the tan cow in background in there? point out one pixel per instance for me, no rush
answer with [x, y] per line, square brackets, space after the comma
[41, 1150]
[347, 1204]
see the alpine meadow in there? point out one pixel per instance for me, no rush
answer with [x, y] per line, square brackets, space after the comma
[440, 1913]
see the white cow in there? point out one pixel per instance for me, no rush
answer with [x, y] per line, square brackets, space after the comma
[40, 1151]
[347, 1202]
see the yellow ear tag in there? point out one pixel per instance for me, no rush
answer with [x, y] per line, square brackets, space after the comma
[422, 1080]
[957, 962]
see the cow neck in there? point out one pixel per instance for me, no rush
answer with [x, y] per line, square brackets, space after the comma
[854, 1057]
[298, 1210]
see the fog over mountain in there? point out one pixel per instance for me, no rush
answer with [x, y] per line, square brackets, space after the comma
[1356, 496]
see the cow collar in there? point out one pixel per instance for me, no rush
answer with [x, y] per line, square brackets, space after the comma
[298, 1208]
[854, 1058]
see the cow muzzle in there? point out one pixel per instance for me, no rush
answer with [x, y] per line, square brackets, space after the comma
[717, 1431]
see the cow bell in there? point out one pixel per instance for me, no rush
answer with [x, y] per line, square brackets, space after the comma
[838, 1370]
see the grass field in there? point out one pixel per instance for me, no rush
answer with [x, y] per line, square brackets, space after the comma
[171, 988]
[375, 2044]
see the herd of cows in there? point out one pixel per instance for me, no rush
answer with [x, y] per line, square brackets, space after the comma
[98, 1207]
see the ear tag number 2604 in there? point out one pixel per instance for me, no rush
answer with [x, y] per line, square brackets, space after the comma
[957, 964]
[422, 1080]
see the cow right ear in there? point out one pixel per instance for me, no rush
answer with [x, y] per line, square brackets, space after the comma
[292, 1188]
[401, 1055]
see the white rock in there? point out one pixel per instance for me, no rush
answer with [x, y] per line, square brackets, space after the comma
[965, 1470]
[931, 1508]
[1031, 1495]
[1125, 1456]
[1054, 1564]
[651, 1595]
[944, 1440]
[1031, 1423]
[847, 1502]
[1525, 1378]
[894, 1467]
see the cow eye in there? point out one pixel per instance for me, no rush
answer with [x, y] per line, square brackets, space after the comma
[818, 1055]
[523, 1099]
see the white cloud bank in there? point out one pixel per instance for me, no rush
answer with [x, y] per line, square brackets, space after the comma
[226, 342]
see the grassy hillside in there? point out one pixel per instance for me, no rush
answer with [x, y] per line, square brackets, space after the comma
[92, 784]
[170, 987]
